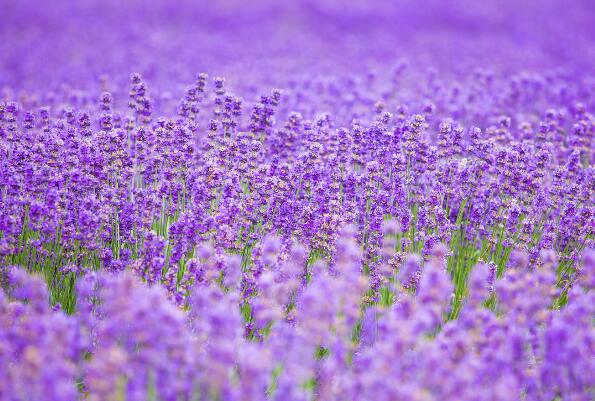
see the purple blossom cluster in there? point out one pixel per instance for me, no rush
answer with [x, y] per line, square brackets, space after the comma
[128, 341]
[380, 200]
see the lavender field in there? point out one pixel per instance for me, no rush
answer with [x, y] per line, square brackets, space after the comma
[305, 200]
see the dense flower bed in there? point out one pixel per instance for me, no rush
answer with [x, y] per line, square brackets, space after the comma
[408, 217]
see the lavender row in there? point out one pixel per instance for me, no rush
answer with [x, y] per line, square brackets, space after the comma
[128, 341]
[94, 188]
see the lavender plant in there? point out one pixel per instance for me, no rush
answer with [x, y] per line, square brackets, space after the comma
[409, 216]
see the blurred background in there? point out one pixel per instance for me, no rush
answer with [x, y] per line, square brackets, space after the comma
[76, 42]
